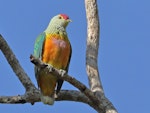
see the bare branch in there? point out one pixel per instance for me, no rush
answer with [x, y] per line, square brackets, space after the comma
[12, 99]
[92, 46]
[14, 63]
[64, 95]
[69, 79]
[32, 93]
[28, 97]
[92, 55]
[94, 97]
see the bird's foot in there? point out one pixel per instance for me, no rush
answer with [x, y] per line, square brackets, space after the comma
[50, 68]
[62, 72]
[55, 95]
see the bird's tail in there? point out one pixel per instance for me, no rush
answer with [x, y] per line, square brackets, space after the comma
[47, 99]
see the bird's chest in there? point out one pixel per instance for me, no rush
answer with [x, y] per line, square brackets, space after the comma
[56, 52]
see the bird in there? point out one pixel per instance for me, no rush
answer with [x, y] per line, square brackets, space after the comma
[52, 47]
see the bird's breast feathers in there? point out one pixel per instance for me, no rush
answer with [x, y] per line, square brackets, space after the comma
[56, 51]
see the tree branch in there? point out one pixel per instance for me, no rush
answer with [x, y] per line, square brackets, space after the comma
[92, 55]
[94, 96]
[14, 63]
[70, 95]
[49, 69]
[92, 46]
[64, 95]
[32, 93]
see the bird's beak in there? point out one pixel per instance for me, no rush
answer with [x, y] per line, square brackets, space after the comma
[69, 20]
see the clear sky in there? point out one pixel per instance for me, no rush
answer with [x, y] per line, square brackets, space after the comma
[124, 53]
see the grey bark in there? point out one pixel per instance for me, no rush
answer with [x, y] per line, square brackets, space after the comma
[94, 96]
[93, 37]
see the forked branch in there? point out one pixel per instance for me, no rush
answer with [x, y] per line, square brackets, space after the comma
[70, 79]
[94, 96]
[32, 93]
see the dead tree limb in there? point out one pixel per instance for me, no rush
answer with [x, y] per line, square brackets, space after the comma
[94, 96]
[15, 65]
[64, 95]
[70, 79]
[32, 93]
[93, 38]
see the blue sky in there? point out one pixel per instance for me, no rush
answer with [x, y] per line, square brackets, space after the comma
[124, 57]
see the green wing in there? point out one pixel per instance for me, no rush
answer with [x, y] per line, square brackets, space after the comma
[38, 47]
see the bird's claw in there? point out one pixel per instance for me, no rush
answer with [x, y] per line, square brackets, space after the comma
[50, 68]
[62, 72]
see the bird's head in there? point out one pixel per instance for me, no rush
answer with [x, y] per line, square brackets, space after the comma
[61, 19]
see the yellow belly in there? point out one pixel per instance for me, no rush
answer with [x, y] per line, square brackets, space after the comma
[47, 83]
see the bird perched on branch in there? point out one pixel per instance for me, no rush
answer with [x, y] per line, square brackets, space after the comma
[52, 47]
